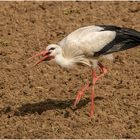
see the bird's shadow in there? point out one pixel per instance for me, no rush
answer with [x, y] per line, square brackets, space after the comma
[49, 104]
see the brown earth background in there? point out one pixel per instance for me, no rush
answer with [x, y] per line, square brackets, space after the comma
[37, 102]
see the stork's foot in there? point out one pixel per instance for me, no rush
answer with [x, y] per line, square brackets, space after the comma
[80, 94]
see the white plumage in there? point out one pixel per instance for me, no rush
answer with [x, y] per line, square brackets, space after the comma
[85, 45]
[81, 44]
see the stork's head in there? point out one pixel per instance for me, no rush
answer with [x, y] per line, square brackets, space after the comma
[50, 53]
[53, 50]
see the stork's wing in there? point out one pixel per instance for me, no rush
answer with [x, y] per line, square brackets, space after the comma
[100, 40]
[72, 37]
[87, 40]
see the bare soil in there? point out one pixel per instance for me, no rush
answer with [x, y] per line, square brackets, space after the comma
[37, 102]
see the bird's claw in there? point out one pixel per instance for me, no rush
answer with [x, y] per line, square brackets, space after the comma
[79, 96]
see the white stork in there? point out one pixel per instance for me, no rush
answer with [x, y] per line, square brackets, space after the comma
[85, 45]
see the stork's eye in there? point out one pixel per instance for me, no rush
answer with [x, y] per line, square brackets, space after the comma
[51, 49]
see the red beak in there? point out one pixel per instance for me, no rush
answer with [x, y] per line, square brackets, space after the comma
[43, 53]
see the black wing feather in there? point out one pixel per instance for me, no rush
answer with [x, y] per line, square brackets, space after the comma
[125, 39]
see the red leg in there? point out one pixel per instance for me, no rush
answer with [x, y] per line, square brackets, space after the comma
[81, 93]
[94, 80]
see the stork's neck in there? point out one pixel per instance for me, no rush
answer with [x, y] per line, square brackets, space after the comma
[64, 62]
